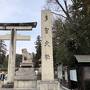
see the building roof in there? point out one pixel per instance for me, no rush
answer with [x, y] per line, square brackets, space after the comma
[83, 58]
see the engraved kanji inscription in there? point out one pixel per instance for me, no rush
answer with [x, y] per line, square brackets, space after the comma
[46, 18]
[47, 56]
[47, 43]
[46, 30]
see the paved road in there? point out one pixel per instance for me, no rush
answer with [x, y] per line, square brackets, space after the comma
[16, 89]
[61, 88]
[20, 89]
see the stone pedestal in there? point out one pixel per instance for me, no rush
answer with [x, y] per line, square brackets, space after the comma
[11, 62]
[25, 78]
[48, 85]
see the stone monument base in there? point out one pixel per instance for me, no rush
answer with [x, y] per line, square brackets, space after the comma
[25, 85]
[25, 79]
[8, 85]
[48, 85]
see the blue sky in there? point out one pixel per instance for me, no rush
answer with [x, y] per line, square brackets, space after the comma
[22, 11]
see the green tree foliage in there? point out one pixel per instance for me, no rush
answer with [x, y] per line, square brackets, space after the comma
[79, 28]
[18, 60]
[2, 53]
[38, 47]
[71, 34]
[64, 46]
[37, 57]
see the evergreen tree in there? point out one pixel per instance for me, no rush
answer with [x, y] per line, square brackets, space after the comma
[37, 57]
[2, 53]
[71, 34]
[18, 60]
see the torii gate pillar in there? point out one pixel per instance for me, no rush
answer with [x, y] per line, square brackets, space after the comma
[12, 55]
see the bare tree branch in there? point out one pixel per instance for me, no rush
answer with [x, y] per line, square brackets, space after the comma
[64, 11]
[58, 14]
[65, 2]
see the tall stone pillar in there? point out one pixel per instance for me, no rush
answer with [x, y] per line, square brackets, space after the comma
[47, 46]
[12, 53]
[47, 82]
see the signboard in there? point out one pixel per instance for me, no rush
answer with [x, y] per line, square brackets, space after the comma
[60, 71]
[73, 75]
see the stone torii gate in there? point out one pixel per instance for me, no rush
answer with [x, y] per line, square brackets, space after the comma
[13, 37]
